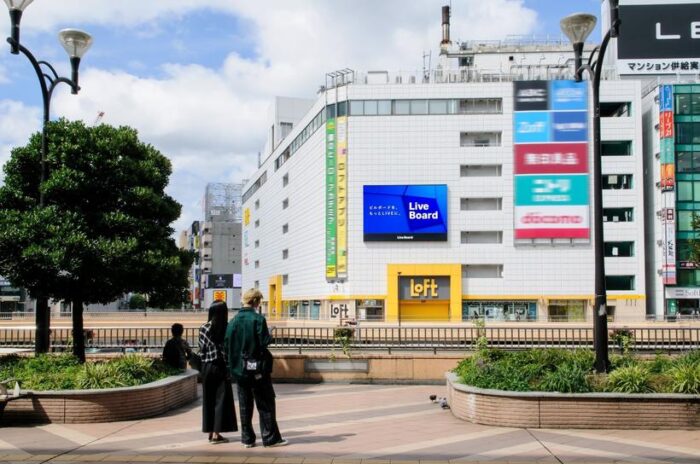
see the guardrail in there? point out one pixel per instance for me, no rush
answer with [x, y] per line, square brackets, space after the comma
[371, 338]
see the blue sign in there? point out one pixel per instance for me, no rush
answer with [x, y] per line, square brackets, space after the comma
[552, 190]
[666, 98]
[570, 126]
[568, 95]
[532, 127]
[405, 212]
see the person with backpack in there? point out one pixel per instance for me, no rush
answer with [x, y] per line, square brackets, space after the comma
[250, 364]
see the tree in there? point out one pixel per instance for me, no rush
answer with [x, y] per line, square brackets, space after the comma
[105, 227]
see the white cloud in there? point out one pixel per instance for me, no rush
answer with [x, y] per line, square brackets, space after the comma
[17, 123]
[210, 122]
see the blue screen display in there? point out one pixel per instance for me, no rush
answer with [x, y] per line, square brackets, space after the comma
[405, 212]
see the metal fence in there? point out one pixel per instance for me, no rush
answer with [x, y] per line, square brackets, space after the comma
[371, 338]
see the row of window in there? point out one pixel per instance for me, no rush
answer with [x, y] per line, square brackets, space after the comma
[688, 103]
[495, 271]
[426, 106]
[610, 181]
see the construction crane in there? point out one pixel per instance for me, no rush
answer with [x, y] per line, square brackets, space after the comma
[100, 115]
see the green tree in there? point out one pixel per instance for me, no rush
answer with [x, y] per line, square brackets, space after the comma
[105, 227]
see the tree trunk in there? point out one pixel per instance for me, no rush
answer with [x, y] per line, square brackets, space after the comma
[78, 332]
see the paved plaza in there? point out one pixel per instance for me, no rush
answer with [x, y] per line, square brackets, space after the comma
[345, 424]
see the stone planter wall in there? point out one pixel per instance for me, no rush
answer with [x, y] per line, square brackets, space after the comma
[108, 405]
[572, 411]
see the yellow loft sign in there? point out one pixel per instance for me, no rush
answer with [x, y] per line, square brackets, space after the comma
[424, 288]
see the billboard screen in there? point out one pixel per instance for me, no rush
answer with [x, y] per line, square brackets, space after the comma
[659, 37]
[405, 212]
[551, 181]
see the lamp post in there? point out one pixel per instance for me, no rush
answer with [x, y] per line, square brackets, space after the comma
[577, 27]
[76, 43]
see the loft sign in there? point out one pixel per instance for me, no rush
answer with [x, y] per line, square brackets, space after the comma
[424, 288]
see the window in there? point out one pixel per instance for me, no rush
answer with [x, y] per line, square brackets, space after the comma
[342, 108]
[285, 254]
[615, 109]
[402, 107]
[257, 223]
[257, 264]
[481, 204]
[619, 249]
[685, 220]
[438, 106]
[419, 106]
[687, 104]
[285, 228]
[688, 191]
[617, 181]
[256, 284]
[257, 204]
[257, 244]
[617, 215]
[356, 108]
[285, 203]
[384, 107]
[688, 161]
[480, 139]
[621, 282]
[687, 133]
[370, 108]
[480, 170]
[285, 129]
[285, 279]
[482, 236]
[285, 180]
[480, 106]
[482, 271]
[616, 148]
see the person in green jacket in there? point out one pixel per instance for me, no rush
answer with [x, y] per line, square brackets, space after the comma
[250, 364]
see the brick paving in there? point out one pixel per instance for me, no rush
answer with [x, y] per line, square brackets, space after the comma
[346, 424]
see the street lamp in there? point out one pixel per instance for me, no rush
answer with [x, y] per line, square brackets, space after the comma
[577, 27]
[76, 43]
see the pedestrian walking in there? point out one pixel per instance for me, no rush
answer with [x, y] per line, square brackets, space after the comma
[176, 351]
[218, 413]
[250, 363]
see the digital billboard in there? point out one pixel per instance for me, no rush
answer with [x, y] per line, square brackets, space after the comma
[659, 37]
[405, 212]
[550, 148]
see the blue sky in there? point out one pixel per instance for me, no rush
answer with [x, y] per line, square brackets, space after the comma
[196, 77]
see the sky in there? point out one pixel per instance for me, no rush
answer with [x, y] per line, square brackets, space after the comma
[197, 77]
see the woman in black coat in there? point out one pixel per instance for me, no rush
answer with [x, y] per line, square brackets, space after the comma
[218, 413]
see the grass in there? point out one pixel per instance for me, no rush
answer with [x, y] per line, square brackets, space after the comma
[64, 372]
[571, 371]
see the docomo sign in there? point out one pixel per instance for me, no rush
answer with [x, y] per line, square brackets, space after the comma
[551, 222]
[551, 158]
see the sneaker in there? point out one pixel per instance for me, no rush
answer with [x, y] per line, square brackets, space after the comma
[216, 441]
[282, 442]
[248, 445]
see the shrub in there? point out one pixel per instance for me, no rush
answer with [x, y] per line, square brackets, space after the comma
[660, 364]
[568, 378]
[623, 338]
[630, 379]
[685, 378]
[691, 358]
[99, 375]
[343, 335]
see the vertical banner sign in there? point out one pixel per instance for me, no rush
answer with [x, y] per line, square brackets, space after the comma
[331, 201]
[550, 144]
[342, 197]
[668, 182]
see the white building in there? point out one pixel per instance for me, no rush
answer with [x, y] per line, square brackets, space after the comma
[308, 244]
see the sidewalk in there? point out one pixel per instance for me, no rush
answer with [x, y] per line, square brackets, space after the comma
[345, 424]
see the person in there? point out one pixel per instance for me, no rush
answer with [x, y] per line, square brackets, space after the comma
[177, 351]
[250, 363]
[218, 413]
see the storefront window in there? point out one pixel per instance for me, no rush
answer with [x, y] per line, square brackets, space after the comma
[566, 310]
[499, 310]
[370, 310]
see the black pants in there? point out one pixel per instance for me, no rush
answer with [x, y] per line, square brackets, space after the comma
[218, 413]
[263, 393]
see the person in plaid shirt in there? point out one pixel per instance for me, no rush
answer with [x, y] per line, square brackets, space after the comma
[218, 413]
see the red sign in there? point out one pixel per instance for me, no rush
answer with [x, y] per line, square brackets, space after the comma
[666, 124]
[551, 158]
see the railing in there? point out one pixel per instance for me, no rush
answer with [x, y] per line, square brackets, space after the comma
[371, 338]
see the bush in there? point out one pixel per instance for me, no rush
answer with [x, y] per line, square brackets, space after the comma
[568, 378]
[630, 379]
[660, 364]
[623, 338]
[685, 378]
[64, 372]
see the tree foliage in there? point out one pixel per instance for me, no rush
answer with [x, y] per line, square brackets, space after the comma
[104, 229]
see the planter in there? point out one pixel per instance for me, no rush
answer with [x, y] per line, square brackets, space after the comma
[106, 405]
[572, 410]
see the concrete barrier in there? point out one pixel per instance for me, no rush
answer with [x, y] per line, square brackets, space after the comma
[572, 410]
[107, 405]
